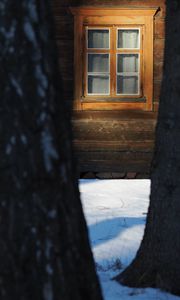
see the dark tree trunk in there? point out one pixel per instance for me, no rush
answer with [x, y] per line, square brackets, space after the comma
[157, 263]
[44, 249]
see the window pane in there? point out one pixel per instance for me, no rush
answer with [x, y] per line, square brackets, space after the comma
[128, 38]
[98, 84]
[127, 85]
[127, 63]
[98, 62]
[98, 38]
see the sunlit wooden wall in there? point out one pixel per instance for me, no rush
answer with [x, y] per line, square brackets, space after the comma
[110, 142]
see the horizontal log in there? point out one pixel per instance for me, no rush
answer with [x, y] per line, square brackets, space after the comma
[156, 90]
[114, 115]
[158, 71]
[64, 27]
[109, 135]
[124, 156]
[68, 85]
[159, 28]
[114, 166]
[156, 106]
[99, 146]
[159, 50]
[65, 47]
[115, 130]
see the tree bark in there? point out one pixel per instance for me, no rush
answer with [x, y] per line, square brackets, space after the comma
[44, 248]
[157, 263]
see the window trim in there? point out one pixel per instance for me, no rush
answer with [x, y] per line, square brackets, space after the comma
[119, 17]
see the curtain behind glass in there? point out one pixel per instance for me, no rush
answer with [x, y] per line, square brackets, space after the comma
[128, 38]
[98, 38]
[127, 85]
[127, 63]
[98, 84]
[98, 62]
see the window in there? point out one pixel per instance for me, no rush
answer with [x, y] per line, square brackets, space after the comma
[128, 61]
[113, 58]
[97, 55]
[101, 54]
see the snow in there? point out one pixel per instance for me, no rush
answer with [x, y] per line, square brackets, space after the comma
[48, 291]
[48, 247]
[43, 117]
[41, 77]
[49, 269]
[8, 149]
[115, 211]
[17, 87]
[42, 81]
[52, 214]
[32, 11]
[29, 31]
[10, 144]
[10, 33]
[23, 139]
[49, 152]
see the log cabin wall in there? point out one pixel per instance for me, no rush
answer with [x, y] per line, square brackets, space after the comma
[110, 144]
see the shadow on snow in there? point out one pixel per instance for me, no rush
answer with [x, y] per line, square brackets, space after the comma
[109, 229]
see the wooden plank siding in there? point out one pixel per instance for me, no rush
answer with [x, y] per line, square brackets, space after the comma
[114, 142]
[110, 141]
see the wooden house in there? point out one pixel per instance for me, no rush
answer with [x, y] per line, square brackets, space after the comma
[111, 61]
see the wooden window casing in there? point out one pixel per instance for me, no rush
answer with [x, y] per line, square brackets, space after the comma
[90, 18]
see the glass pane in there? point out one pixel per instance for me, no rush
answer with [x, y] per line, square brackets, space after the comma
[127, 63]
[98, 62]
[127, 85]
[98, 84]
[98, 38]
[128, 38]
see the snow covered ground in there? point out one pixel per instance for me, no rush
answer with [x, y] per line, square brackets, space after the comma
[115, 211]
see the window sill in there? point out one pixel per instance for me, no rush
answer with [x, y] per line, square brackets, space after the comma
[114, 100]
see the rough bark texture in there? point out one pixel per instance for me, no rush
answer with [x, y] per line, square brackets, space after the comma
[44, 250]
[157, 263]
